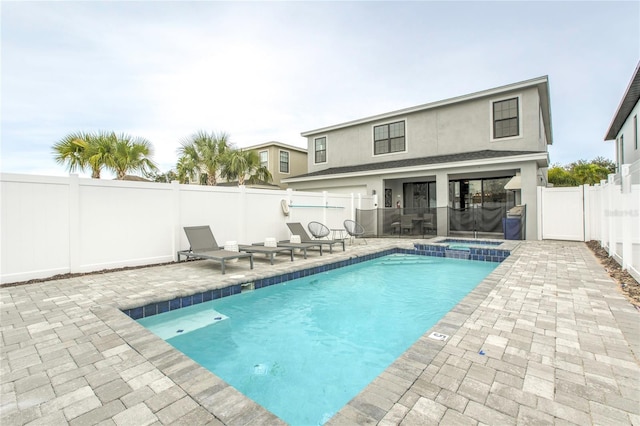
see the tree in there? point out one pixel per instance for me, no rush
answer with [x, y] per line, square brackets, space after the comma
[82, 150]
[201, 154]
[588, 173]
[130, 154]
[159, 177]
[559, 176]
[119, 153]
[244, 166]
[581, 172]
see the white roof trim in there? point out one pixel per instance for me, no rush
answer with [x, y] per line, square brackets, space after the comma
[438, 166]
[490, 92]
[276, 144]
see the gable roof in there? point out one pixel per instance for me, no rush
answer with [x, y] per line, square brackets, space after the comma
[628, 102]
[416, 162]
[541, 83]
[277, 144]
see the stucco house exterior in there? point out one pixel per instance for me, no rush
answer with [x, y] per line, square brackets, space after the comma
[452, 158]
[282, 160]
[624, 126]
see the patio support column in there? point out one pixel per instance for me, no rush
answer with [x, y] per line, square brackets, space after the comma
[442, 201]
[529, 194]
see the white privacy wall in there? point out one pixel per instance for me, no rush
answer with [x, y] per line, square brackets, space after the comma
[57, 225]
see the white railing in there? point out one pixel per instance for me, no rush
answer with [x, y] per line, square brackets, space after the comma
[618, 215]
[58, 225]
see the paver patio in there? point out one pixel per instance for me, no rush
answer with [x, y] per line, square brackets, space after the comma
[545, 339]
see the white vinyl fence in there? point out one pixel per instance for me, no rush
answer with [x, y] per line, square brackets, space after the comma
[57, 225]
[608, 212]
[620, 217]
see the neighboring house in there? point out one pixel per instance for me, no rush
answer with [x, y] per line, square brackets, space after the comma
[453, 156]
[282, 160]
[624, 126]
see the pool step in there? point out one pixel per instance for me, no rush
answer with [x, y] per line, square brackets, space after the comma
[186, 324]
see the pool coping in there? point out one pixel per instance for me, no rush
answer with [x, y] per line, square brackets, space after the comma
[232, 407]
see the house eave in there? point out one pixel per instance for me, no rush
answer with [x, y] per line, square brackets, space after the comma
[628, 102]
[542, 159]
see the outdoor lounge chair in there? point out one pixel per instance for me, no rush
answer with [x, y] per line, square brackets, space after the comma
[203, 245]
[270, 251]
[296, 228]
[354, 229]
[299, 246]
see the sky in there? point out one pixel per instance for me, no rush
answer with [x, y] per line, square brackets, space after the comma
[267, 71]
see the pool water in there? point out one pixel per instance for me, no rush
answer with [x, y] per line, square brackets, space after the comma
[304, 348]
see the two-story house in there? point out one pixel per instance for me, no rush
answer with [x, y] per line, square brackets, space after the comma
[624, 126]
[453, 157]
[281, 160]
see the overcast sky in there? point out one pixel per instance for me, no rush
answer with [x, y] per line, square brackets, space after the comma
[267, 71]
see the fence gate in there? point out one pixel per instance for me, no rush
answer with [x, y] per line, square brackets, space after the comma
[561, 213]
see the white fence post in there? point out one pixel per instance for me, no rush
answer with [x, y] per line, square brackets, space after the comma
[540, 196]
[604, 232]
[175, 218]
[626, 218]
[610, 216]
[586, 211]
[289, 202]
[242, 213]
[74, 223]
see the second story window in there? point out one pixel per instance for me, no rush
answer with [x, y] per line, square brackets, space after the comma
[505, 118]
[388, 138]
[320, 150]
[284, 162]
[264, 159]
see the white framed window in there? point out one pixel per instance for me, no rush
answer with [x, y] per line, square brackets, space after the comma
[284, 162]
[320, 150]
[506, 118]
[264, 158]
[389, 138]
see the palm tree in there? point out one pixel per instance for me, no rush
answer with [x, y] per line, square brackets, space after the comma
[119, 153]
[129, 154]
[244, 166]
[79, 151]
[201, 154]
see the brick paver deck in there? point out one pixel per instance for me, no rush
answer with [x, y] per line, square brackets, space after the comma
[545, 339]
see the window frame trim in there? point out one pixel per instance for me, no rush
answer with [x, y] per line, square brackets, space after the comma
[520, 134]
[280, 151]
[386, 123]
[326, 149]
[260, 152]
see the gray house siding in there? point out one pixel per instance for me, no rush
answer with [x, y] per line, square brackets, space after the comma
[449, 129]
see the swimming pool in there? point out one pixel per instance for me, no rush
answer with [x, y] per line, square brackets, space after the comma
[304, 348]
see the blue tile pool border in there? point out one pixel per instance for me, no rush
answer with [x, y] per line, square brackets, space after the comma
[479, 254]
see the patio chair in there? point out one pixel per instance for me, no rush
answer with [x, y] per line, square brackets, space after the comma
[428, 223]
[407, 222]
[286, 244]
[354, 229]
[269, 251]
[296, 228]
[203, 245]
